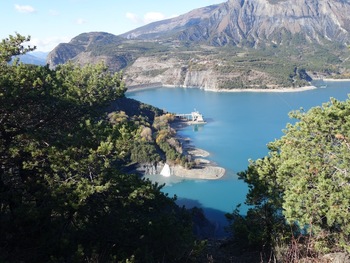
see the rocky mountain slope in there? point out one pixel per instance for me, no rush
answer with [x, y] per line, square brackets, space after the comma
[256, 22]
[236, 44]
[91, 48]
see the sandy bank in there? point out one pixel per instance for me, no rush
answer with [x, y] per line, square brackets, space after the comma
[269, 90]
[335, 80]
[145, 87]
[249, 90]
[205, 171]
[198, 152]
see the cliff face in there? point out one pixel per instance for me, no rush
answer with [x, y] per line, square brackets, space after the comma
[200, 73]
[261, 20]
[174, 72]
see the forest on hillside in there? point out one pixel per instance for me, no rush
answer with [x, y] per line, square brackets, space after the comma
[66, 194]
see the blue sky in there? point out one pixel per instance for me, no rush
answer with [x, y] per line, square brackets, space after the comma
[52, 22]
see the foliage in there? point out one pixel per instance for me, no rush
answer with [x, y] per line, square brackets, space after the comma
[146, 138]
[263, 227]
[12, 46]
[306, 177]
[142, 143]
[165, 139]
[315, 157]
[144, 152]
[62, 196]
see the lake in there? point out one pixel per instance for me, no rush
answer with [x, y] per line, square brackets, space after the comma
[239, 125]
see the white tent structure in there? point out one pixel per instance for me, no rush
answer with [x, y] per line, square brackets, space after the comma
[166, 171]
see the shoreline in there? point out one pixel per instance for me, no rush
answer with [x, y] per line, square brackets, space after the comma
[204, 168]
[335, 80]
[310, 87]
[207, 172]
[282, 90]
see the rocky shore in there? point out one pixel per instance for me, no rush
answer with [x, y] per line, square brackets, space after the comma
[203, 169]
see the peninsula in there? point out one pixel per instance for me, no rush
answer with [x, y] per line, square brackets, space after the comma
[196, 164]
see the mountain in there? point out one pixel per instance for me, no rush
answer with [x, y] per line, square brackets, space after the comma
[255, 22]
[40, 54]
[35, 58]
[91, 48]
[236, 44]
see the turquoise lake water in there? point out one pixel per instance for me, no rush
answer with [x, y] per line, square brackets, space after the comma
[239, 125]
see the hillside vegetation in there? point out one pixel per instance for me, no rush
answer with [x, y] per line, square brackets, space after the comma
[65, 195]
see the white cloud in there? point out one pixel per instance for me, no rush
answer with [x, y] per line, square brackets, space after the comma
[133, 18]
[80, 21]
[146, 19]
[173, 15]
[152, 17]
[49, 43]
[25, 8]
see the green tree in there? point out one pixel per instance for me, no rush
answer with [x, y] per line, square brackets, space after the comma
[306, 176]
[314, 166]
[62, 195]
[263, 228]
[12, 46]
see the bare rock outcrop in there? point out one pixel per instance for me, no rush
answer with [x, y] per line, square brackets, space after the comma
[203, 73]
[256, 22]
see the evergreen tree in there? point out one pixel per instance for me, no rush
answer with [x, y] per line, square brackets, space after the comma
[62, 195]
[305, 180]
[314, 157]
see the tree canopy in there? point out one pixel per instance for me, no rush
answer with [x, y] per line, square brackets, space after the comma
[12, 46]
[63, 196]
[305, 179]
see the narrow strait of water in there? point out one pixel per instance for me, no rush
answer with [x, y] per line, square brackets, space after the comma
[240, 124]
